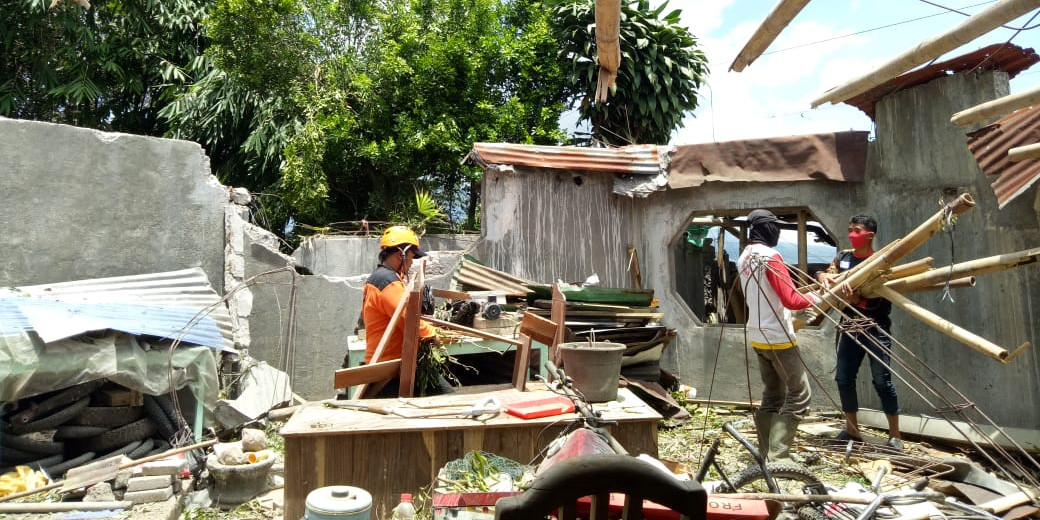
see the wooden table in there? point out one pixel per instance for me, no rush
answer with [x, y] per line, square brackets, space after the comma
[387, 455]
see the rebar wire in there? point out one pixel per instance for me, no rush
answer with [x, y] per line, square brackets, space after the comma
[182, 435]
[957, 408]
[949, 407]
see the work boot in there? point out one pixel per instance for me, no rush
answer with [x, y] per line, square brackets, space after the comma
[764, 423]
[785, 426]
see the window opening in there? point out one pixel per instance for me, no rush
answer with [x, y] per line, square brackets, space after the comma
[707, 251]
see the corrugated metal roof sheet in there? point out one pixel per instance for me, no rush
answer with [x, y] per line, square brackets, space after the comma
[1009, 58]
[177, 304]
[642, 159]
[471, 274]
[990, 145]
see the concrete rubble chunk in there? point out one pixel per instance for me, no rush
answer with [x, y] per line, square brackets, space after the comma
[100, 492]
[145, 483]
[253, 439]
[122, 477]
[150, 495]
[172, 467]
[241, 196]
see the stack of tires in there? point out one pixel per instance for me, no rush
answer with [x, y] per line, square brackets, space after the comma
[69, 428]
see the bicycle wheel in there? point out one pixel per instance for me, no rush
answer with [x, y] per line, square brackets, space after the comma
[790, 479]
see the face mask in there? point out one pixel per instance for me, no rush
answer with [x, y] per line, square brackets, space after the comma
[860, 239]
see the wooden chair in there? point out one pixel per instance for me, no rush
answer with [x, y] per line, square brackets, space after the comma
[559, 488]
[533, 328]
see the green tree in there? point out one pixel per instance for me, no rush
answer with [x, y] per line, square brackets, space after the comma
[109, 67]
[366, 101]
[661, 70]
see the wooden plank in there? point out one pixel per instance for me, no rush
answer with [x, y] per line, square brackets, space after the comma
[410, 342]
[539, 329]
[520, 365]
[451, 295]
[633, 267]
[471, 331]
[353, 376]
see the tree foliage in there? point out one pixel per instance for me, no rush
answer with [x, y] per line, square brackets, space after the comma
[347, 110]
[109, 67]
[364, 102]
[661, 70]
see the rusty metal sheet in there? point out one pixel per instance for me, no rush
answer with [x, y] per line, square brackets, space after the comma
[990, 146]
[1009, 58]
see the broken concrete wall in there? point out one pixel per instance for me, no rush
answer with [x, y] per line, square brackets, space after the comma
[81, 204]
[918, 159]
[299, 323]
[548, 225]
[545, 225]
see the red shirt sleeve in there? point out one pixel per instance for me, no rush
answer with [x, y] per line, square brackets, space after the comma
[780, 281]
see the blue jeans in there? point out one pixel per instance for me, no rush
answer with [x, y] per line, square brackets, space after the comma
[850, 357]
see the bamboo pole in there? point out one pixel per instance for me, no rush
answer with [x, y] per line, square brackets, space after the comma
[996, 107]
[909, 268]
[977, 25]
[775, 22]
[947, 327]
[963, 269]
[1021, 153]
[61, 507]
[895, 251]
[960, 283]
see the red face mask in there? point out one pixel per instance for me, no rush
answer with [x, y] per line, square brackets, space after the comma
[860, 239]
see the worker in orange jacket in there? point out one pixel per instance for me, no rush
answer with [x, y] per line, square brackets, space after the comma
[383, 291]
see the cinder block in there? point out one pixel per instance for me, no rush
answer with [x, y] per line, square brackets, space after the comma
[144, 483]
[151, 495]
[172, 467]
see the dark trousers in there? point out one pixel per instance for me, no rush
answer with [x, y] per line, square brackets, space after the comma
[850, 357]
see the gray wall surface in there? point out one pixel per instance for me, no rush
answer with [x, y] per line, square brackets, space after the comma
[82, 204]
[543, 225]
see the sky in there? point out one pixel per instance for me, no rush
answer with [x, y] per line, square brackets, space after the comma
[829, 43]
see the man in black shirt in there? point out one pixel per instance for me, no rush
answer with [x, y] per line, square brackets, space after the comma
[858, 335]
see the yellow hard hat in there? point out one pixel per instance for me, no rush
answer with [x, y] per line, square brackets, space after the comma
[396, 236]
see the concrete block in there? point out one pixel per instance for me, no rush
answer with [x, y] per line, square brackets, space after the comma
[172, 467]
[145, 483]
[150, 495]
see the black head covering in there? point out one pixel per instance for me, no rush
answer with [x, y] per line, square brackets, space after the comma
[764, 227]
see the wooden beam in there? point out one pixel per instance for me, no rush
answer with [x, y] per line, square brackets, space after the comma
[977, 25]
[473, 332]
[633, 267]
[451, 295]
[348, 377]
[410, 341]
[1021, 153]
[996, 108]
[778, 18]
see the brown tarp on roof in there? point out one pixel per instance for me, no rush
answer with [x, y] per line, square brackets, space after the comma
[839, 156]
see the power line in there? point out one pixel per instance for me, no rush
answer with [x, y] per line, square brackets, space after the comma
[871, 30]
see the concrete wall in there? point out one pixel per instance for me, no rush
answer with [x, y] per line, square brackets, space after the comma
[81, 204]
[918, 156]
[546, 225]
